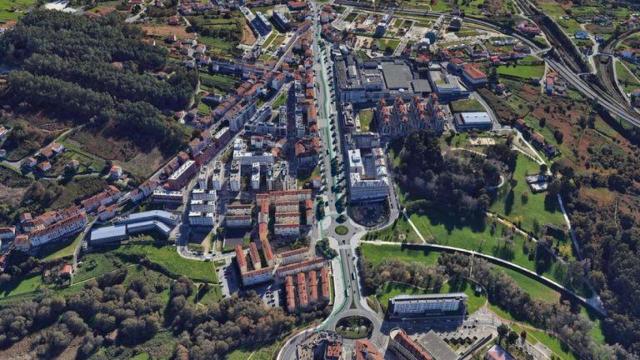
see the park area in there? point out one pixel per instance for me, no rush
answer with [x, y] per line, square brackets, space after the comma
[376, 254]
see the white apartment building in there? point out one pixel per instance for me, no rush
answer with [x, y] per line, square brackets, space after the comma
[58, 230]
[205, 195]
[217, 176]
[203, 177]
[255, 176]
[203, 206]
[368, 179]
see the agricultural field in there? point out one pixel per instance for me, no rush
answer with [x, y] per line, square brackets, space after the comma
[221, 35]
[218, 84]
[135, 159]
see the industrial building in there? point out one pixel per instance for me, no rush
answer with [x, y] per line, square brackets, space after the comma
[159, 221]
[466, 121]
[373, 80]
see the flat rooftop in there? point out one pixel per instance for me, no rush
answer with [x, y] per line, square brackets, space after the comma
[437, 347]
[397, 75]
[475, 118]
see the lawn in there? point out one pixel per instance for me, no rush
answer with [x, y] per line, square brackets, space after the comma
[466, 105]
[532, 287]
[65, 251]
[400, 231]
[168, 257]
[14, 9]
[511, 204]
[218, 46]
[441, 231]
[387, 45]
[281, 100]
[203, 109]
[95, 264]
[27, 285]
[522, 71]
[376, 254]
[365, 116]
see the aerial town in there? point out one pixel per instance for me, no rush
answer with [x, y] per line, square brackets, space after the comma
[262, 179]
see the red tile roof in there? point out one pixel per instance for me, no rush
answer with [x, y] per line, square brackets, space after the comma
[473, 72]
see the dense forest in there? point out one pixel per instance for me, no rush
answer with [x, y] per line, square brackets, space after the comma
[610, 239]
[96, 71]
[456, 185]
[113, 314]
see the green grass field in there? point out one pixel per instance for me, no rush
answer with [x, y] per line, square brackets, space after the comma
[341, 230]
[522, 71]
[446, 232]
[379, 253]
[14, 9]
[626, 78]
[466, 105]
[27, 285]
[365, 116]
[512, 206]
[95, 264]
[223, 83]
[168, 257]
[532, 287]
[78, 188]
[400, 231]
[385, 45]
[66, 251]
[281, 100]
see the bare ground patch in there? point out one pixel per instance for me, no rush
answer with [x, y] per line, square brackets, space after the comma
[166, 30]
[248, 38]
